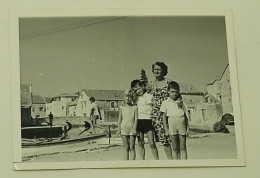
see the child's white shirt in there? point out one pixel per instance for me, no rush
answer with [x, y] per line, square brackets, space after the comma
[172, 109]
[144, 105]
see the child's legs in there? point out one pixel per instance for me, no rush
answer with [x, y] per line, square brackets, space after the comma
[175, 146]
[126, 146]
[152, 144]
[168, 150]
[183, 149]
[141, 145]
[132, 147]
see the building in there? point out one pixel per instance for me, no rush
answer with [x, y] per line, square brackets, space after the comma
[220, 89]
[59, 105]
[104, 99]
[38, 109]
[26, 104]
[191, 97]
[73, 108]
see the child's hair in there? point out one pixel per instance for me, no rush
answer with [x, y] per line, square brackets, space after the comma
[136, 82]
[129, 93]
[173, 85]
[92, 99]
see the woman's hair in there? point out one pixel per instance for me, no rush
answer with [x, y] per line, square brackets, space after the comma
[173, 85]
[92, 99]
[163, 66]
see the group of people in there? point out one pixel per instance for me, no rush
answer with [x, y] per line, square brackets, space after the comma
[156, 110]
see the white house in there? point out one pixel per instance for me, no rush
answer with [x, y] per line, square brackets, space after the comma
[38, 109]
[59, 105]
[73, 108]
[104, 99]
[221, 90]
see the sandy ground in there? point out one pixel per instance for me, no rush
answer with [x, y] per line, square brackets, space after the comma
[204, 146]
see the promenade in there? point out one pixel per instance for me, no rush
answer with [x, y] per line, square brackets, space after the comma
[202, 146]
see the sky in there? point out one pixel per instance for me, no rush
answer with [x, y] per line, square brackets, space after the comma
[66, 55]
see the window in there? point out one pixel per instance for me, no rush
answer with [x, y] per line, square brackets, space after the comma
[82, 95]
[41, 108]
[62, 108]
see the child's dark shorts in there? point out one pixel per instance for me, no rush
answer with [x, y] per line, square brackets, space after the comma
[144, 125]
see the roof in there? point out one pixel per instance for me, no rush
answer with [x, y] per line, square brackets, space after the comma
[37, 99]
[105, 94]
[191, 101]
[212, 83]
[188, 88]
[65, 95]
[26, 94]
[48, 100]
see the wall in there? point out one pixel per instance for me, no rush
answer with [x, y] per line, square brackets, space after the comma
[72, 110]
[83, 105]
[226, 93]
[206, 112]
[59, 107]
[38, 111]
[214, 89]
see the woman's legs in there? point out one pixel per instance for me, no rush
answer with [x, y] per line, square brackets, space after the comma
[175, 147]
[126, 147]
[132, 147]
[152, 144]
[141, 145]
[183, 149]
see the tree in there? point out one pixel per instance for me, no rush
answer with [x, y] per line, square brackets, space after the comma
[144, 77]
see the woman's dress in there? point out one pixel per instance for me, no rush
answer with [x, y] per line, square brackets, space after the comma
[159, 94]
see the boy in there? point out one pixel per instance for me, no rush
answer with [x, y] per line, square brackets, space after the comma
[177, 126]
[144, 121]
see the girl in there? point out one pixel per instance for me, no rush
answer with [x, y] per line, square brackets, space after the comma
[127, 123]
[177, 126]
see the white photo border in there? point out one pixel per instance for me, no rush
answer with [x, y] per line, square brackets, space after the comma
[15, 14]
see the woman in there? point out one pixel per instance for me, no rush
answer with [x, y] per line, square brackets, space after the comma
[160, 93]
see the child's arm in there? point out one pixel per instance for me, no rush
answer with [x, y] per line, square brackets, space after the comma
[165, 125]
[119, 121]
[187, 125]
[186, 119]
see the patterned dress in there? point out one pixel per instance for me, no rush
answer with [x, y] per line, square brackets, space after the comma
[159, 94]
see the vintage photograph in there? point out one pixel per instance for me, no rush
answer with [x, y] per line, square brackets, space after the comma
[127, 87]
